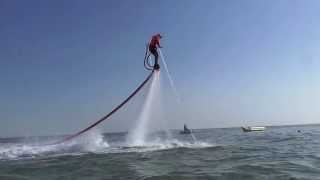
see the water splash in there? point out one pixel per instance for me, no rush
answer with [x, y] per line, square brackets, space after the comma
[164, 144]
[195, 140]
[95, 143]
[137, 137]
[91, 142]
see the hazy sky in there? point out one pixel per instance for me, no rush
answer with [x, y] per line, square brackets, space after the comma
[63, 64]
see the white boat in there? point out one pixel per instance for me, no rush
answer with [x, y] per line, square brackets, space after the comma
[253, 128]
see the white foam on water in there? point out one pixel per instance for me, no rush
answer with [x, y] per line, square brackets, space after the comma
[158, 144]
[90, 142]
[20, 150]
[174, 143]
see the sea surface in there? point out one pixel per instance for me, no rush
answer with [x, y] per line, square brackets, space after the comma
[286, 152]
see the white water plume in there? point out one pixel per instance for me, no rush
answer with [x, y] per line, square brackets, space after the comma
[137, 137]
[169, 77]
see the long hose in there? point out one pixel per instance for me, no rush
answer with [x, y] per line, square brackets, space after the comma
[146, 62]
[112, 112]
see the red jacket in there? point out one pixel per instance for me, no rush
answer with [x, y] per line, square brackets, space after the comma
[155, 41]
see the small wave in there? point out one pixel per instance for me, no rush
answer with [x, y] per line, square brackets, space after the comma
[17, 151]
[159, 144]
[92, 142]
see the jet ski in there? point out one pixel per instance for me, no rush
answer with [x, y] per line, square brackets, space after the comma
[185, 130]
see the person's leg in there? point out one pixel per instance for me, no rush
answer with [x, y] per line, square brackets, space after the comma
[154, 52]
[156, 63]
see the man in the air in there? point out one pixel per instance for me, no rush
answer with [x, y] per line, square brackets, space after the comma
[153, 45]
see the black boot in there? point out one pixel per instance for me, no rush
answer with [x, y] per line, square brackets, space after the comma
[156, 67]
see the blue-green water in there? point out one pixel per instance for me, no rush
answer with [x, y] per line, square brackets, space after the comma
[277, 153]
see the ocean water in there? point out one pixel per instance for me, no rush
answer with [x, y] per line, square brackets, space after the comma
[277, 153]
